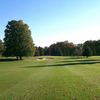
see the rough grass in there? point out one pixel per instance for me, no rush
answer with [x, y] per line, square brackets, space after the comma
[50, 78]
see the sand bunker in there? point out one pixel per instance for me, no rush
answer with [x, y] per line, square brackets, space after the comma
[41, 59]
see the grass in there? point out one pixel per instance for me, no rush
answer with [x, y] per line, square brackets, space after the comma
[52, 78]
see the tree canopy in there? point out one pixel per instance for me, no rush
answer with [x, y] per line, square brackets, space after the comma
[1, 47]
[18, 41]
[86, 51]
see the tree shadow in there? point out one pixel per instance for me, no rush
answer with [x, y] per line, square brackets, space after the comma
[73, 57]
[65, 64]
[77, 60]
[8, 60]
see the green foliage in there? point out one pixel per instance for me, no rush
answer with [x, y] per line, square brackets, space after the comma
[94, 46]
[70, 49]
[97, 47]
[86, 51]
[18, 41]
[39, 51]
[57, 49]
[62, 49]
[1, 47]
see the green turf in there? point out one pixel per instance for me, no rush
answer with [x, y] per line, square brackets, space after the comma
[50, 78]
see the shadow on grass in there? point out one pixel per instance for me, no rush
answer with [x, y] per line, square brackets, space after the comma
[8, 60]
[77, 60]
[65, 64]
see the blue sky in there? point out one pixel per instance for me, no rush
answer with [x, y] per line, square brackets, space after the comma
[54, 20]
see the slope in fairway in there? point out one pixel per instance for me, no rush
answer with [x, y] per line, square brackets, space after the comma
[50, 78]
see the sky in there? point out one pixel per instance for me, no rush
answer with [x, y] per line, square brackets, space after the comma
[52, 21]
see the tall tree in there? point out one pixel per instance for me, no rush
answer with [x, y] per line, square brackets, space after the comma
[1, 47]
[91, 44]
[46, 51]
[18, 41]
[39, 51]
[78, 50]
[87, 51]
[97, 47]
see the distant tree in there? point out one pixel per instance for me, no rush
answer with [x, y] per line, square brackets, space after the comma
[91, 45]
[86, 51]
[18, 41]
[1, 47]
[53, 50]
[39, 51]
[70, 49]
[62, 49]
[78, 50]
[46, 51]
[97, 47]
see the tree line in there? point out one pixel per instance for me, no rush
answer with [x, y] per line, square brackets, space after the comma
[88, 48]
[18, 42]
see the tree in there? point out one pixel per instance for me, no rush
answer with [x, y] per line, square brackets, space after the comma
[39, 51]
[97, 47]
[86, 51]
[1, 47]
[91, 45]
[61, 49]
[78, 50]
[18, 41]
[46, 51]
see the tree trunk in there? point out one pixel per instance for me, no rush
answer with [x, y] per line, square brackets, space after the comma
[87, 56]
[17, 57]
[20, 57]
